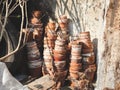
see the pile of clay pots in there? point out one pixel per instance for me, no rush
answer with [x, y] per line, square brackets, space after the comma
[36, 27]
[76, 58]
[61, 51]
[88, 57]
[34, 60]
[82, 73]
[34, 44]
[49, 44]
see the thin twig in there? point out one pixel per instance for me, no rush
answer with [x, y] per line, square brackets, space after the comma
[5, 20]
[20, 37]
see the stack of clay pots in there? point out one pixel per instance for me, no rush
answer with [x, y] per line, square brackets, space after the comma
[88, 57]
[63, 24]
[49, 44]
[75, 65]
[60, 52]
[34, 43]
[51, 34]
[34, 60]
[37, 27]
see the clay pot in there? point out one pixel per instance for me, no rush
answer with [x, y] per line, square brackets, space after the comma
[48, 42]
[76, 46]
[60, 52]
[47, 57]
[36, 14]
[88, 54]
[35, 68]
[88, 60]
[59, 58]
[60, 64]
[76, 57]
[59, 43]
[33, 54]
[90, 72]
[65, 32]
[59, 48]
[31, 46]
[75, 66]
[84, 51]
[74, 76]
[48, 64]
[76, 49]
[85, 66]
[30, 36]
[35, 21]
[63, 26]
[84, 35]
[38, 26]
[61, 39]
[87, 46]
[75, 60]
[52, 36]
[51, 25]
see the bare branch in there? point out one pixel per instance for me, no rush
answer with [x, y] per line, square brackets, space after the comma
[20, 37]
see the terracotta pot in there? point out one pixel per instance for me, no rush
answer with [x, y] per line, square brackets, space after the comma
[30, 36]
[35, 21]
[48, 42]
[48, 57]
[76, 60]
[59, 48]
[74, 75]
[60, 64]
[33, 54]
[63, 25]
[84, 51]
[85, 66]
[59, 52]
[88, 54]
[60, 70]
[88, 60]
[51, 25]
[48, 64]
[76, 57]
[36, 72]
[75, 53]
[65, 31]
[59, 58]
[84, 35]
[75, 66]
[31, 44]
[76, 46]
[61, 39]
[59, 43]
[35, 68]
[37, 14]
[52, 36]
[59, 55]
[89, 73]
[87, 46]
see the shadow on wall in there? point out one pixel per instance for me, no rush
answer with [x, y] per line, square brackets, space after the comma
[95, 45]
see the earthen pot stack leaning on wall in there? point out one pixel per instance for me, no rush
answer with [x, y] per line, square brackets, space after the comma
[34, 60]
[61, 51]
[49, 44]
[34, 43]
[88, 57]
